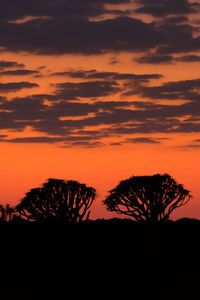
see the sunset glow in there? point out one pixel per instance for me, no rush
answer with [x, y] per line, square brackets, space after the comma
[97, 93]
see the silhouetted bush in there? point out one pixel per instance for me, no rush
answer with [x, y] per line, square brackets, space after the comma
[57, 200]
[147, 198]
[188, 221]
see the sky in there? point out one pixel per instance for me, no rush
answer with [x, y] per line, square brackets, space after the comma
[98, 91]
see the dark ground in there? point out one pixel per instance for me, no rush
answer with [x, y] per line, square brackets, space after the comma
[113, 259]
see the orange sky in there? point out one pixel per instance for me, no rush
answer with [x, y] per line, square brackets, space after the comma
[109, 155]
[28, 166]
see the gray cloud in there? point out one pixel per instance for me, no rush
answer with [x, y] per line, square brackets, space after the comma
[189, 58]
[86, 144]
[36, 140]
[72, 91]
[16, 86]
[82, 27]
[31, 111]
[94, 74]
[184, 89]
[173, 20]
[188, 146]
[45, 139]
[53, 36]
[66, 27]
[141, 140]
[18, 72]
[114, 60]
[65, 121]
[179, 38]
[115, 144]
[158, 118]
[155, 59]
[10, 64]
[11, 10]
[167, 7]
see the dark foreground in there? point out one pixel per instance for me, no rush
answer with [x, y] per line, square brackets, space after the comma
[114, 259]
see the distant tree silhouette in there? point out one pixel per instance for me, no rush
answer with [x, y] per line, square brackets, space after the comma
[147, 198]
[6, 213]
[59, 200]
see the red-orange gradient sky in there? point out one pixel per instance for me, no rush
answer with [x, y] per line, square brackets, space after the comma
[98, 91]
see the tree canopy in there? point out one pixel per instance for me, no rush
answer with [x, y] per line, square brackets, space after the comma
[147, 198]
[59, 200]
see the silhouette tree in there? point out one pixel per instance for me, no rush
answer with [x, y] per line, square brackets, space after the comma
[6, 213]
[147, 198]
[59, 200]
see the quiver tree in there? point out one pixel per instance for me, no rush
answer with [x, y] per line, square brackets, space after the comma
[59, 200]
[6, 213]
[147, 198]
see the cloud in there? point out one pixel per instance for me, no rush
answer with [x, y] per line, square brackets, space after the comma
[34, 140]
[41, 67]
[78, 115]
[188, 58]
[162, 8]
[141, 140]
[156, 126]
[158, 118]
[190, 146]
[114, 60]
[16, 86]
[18, 72]
[179, 38]
[86, 144]
[115, 144]
[183, 89]
[90, 27]
[155, 59]
[31, 111]
[75, 121]
[39, 8]
[59, 35]
[21, 108]
[90, 89]
[94, 74]
[174, 20]
[61, 27]
[45, 139]
[10, 64]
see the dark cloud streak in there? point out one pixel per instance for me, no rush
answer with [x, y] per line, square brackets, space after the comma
[155, 59]
[160, 8]
[19, 72]
[94, 74]
[10, 64]
[72, 91]
[141, 140]
[16, 86]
